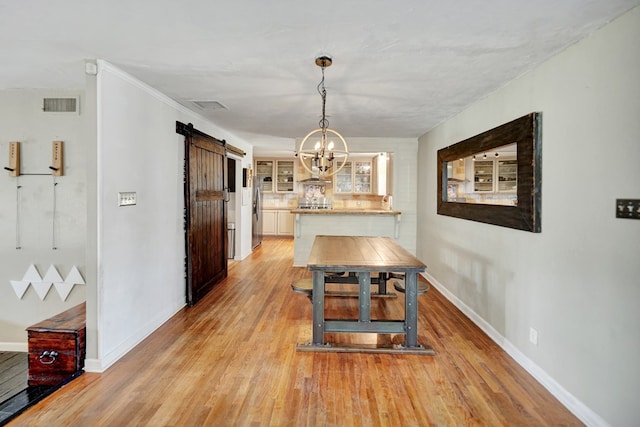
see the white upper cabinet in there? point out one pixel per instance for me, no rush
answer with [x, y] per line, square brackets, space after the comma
[355, 177]
[276, 175]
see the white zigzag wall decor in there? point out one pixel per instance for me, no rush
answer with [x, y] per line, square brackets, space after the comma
[42, 285]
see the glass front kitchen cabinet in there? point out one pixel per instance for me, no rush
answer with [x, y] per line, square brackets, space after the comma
[355, 177]
[362, 177]
[264, 172]
[285, 173]
[343, 180]
[276, 175]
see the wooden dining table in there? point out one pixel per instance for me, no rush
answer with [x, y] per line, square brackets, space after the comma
[363, 255]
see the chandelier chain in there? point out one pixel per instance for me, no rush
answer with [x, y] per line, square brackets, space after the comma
[324, 122]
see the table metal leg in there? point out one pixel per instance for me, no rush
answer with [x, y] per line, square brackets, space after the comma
[382, 283]
[411, 309]
[318, 307]
[364, 297]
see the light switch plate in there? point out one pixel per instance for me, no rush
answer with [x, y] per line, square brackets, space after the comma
[628, 208]
[127, 198]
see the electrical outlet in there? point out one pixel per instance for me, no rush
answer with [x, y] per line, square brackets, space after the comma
[533, 336]
[127, 198]
[628, 208]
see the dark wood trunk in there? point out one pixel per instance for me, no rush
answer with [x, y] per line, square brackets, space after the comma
[57, 347]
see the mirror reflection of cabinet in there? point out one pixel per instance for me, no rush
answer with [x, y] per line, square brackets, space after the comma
[456, 170]
[507, 175]
[483, 175]
[498, 175]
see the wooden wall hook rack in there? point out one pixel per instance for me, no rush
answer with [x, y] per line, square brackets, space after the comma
[56, 159]
[14, 159]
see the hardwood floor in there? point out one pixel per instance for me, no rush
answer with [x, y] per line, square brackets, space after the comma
[13, 373]
[231, 360]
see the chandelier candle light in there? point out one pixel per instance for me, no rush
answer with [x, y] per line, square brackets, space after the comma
[319, 159]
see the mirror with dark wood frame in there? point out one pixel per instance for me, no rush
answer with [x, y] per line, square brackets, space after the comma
[519, 209]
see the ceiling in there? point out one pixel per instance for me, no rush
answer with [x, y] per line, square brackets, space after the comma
[399, 68]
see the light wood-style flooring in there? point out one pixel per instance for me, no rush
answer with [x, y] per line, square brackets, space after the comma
[231, 360]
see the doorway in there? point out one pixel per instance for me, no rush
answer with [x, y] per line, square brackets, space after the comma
[234, 205]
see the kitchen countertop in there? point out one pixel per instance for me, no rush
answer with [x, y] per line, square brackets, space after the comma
[345, 212]
[276, 208]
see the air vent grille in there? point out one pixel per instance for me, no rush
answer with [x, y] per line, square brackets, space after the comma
[60, 105]
[210, 105]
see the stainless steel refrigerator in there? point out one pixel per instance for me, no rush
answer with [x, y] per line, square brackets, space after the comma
[256, 227]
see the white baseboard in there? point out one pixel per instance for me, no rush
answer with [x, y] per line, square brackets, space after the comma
[579, 409]
[14, 346]
[93, 365]
[102, 364]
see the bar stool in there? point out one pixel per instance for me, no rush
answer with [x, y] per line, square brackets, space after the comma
[303, 286]
[422, 286]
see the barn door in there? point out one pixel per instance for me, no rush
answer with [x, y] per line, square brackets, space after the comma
[205, 212]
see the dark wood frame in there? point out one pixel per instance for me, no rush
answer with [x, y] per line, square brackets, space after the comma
[526, 132]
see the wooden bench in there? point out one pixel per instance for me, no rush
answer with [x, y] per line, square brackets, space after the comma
[305, 286]
[57, 347]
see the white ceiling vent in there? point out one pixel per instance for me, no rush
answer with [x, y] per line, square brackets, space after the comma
[210, 105]
[60, 105]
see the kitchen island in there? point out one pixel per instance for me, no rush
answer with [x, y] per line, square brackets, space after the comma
[340, 222]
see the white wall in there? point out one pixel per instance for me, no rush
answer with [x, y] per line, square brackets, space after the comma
[22, 119]
[139, 271]
[577, 281]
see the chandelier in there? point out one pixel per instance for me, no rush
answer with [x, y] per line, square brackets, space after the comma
[323, 146]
